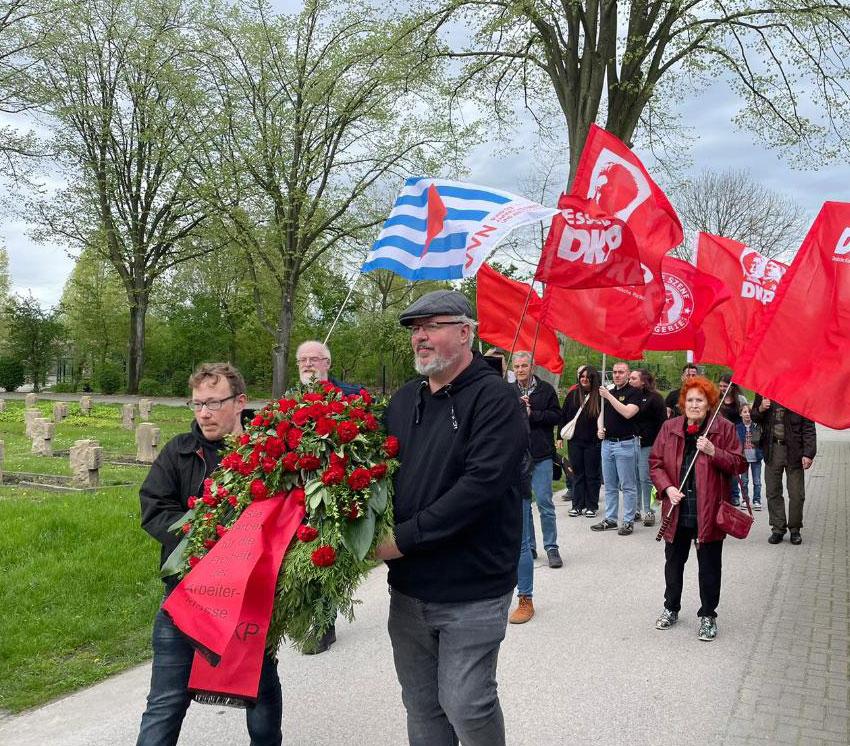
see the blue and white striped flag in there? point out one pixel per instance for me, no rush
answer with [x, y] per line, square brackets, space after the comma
[445, 230]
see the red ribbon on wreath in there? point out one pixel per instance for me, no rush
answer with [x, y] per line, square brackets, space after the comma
[224, 604]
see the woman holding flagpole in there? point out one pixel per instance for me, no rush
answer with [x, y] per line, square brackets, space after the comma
[715, 450]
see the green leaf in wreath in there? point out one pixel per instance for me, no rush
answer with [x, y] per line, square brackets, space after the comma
[357, 535]
[318, 496]
[178, 524]
[312, 486]
[174, 563]
[378, 498]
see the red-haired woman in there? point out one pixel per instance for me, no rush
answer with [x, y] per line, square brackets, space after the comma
[718, 459]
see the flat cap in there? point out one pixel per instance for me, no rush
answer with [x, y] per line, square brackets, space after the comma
[436, 303]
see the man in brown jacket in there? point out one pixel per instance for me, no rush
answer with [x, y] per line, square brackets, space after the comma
[789, 443]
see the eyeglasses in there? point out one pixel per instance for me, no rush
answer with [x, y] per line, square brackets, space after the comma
[431, 326]
[213, 405]
[309, 360]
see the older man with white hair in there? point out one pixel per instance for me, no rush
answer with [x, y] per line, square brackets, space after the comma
[314, 362]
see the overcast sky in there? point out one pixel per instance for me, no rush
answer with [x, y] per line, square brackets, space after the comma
[718, 145]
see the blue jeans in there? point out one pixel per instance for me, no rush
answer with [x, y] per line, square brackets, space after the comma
[525, 567]
[644, 482]
[169, 695]
[619, 471]
[755, 468]
[541, 486]
[445, 658]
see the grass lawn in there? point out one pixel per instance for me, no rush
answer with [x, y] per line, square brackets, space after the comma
[80, 584]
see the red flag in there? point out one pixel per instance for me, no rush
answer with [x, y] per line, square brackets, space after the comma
[436, 217]
[752, 280]
[500, 303]
[587, 248]
[799, 354]
[689, 294]
[614, 320]
[611, 175]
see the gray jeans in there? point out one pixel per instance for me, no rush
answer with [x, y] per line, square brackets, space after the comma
[445, 658]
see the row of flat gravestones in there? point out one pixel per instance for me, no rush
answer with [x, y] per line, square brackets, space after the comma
[86, 456]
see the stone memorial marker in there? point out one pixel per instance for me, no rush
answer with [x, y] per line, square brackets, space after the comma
[2, 405]
[43, 430]
[60, 411]
[85, 404]
[145, 409]
[30, 415]
[2, 458]
[128, 416]
[30, 400]
[147, 442]
[86, 460]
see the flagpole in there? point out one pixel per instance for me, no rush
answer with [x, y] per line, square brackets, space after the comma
[519, 325]
[341, 308]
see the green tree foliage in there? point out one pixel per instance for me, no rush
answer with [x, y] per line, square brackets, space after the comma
[316, 112]
[117, 83]
[11, 373]
[34, 336]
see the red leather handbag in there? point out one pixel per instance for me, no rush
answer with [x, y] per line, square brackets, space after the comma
[733, 521]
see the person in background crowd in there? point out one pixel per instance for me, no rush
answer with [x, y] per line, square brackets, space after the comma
[585, 448]
[749, 433]
[544, 412]
[789, 442]
[648, 421]
[463, 443]
[689, 370]
[730, 408]
[694, 516]
[218, 401]
[619, 451]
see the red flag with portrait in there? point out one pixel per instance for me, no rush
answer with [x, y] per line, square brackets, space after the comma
[799, 354]
[752, 280]
[689, 295]
[500, 304]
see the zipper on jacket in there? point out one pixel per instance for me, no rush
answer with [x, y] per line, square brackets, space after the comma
[200, 454]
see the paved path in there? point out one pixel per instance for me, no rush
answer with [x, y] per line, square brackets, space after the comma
[589, 668]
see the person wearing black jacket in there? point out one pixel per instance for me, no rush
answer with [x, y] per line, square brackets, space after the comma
[463, 437]
[648, 421]
[218, 401]
[540, 402]
[789, 444]
[585, 448]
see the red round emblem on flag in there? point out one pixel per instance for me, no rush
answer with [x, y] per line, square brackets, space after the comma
[678, 305]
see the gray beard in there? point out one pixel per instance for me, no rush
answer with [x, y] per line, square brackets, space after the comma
[308, 378]
[436, 365]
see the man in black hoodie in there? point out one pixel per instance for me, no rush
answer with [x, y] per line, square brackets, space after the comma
[452, 565]
[218, 400]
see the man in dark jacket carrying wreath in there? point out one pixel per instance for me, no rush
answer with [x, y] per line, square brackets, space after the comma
[463, 437]
[178, 474]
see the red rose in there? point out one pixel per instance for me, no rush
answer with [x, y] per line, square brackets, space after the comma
[293, 438]
[359, 479]
[268, 464]
[281, 428]
[244, 439]
[333, 475]
[193, 561]
[309, 462]
[192, 501]
[378, 471]
[313, 396]
[324, 556]
[347, 431]
[258, 420]
[302, 416]
[290, 461]
[371, 423]
[220, 530]
[391, 446]
[221, 491]
[357, 413]
[298, 494]
[186, 527]
[209, 543]
[306, 534]
[232, 500]
[324, 427]
[259, 491]
[365, 396]
[339, 460]
[354, 512]
[337, 407]
[209, 500]
[275, 447]
[287, 404]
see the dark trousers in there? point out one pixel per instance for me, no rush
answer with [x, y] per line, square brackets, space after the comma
[586, 460]
[169, 696]
[796, 483]
[445, 658]
[709, 558]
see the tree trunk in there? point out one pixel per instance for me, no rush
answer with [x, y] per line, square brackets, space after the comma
[280, 351]
[136, 353]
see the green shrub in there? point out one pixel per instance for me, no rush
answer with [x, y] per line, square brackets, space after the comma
[110, 378]
[178, 385]
[64, 388]
[11, 373]
[151, 387]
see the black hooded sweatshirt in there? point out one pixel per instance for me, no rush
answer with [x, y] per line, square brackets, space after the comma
[457, 495]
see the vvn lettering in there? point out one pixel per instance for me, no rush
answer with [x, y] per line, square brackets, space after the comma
[475, 243]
